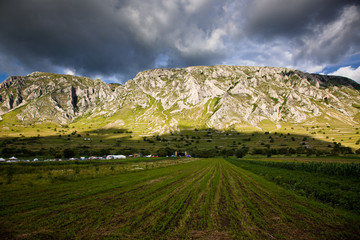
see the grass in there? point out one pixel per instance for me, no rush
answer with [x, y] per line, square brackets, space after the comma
[335, 183]
[176, 199]
[50, 140]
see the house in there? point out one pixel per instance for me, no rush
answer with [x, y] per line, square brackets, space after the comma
[115, 157]
[2, 160]
[13, 158]
[162, 76]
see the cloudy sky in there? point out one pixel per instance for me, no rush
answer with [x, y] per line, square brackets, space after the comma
[115, 39]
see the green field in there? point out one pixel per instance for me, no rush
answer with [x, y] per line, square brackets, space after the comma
[180, 198]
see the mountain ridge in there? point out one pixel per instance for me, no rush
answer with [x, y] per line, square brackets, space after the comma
[166, 99]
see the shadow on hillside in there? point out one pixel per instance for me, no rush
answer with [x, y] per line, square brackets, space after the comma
[197, 142]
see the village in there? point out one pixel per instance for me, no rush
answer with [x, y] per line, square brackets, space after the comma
[14, 159]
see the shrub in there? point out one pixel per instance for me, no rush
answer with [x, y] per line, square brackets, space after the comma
[241, 152]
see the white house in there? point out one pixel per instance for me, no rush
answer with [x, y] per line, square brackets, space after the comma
[115, 157]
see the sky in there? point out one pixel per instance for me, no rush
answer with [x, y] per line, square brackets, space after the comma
[115, 39]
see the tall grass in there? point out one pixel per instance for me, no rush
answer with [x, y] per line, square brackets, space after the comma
[337, 169]
[332, 183]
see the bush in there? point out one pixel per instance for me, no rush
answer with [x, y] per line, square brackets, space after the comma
[241, 152]
[68, 153]
[227, 152]
[163, 152]
[207, 153]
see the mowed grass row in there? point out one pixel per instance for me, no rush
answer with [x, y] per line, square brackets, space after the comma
[206, 198]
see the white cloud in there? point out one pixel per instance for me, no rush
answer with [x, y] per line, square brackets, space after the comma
[193, 6]
[68, 71]
[348, 72]
[273, 53]
[314, 68]
[115, 78]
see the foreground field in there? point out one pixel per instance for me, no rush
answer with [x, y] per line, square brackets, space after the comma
[184, 199]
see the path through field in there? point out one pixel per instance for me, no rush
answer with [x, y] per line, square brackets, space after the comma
[203, 199]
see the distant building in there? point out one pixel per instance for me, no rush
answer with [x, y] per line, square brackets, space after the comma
[115, 157]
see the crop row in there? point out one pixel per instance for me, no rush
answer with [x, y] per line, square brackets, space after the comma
[321, 181]
[338, 169]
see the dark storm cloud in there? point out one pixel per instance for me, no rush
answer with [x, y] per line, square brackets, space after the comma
[115, 39]
[320, 31]
[291, 18]
[104, 37]
[80, 34]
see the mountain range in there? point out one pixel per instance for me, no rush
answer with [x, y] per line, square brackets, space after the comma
[160, 101]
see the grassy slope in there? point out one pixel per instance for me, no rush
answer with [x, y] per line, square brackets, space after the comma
[204, 198]
[319, 133]
[58, 138]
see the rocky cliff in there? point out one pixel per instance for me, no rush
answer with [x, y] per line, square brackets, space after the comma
[51, 97]
[163, 100]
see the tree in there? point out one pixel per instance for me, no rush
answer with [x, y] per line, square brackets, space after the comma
[207, 153]
[104, 151]
[163, 152]
[68, 153]
[241, 152]
[227, 152]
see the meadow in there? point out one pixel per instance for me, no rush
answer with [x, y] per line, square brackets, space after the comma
[171, 198]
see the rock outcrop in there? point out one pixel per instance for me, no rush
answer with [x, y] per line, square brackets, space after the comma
[51, 97]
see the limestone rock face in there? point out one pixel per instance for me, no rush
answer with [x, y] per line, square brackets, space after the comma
[51, 97]
[164, 100]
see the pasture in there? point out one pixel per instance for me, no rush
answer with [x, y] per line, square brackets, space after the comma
[180, 198]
